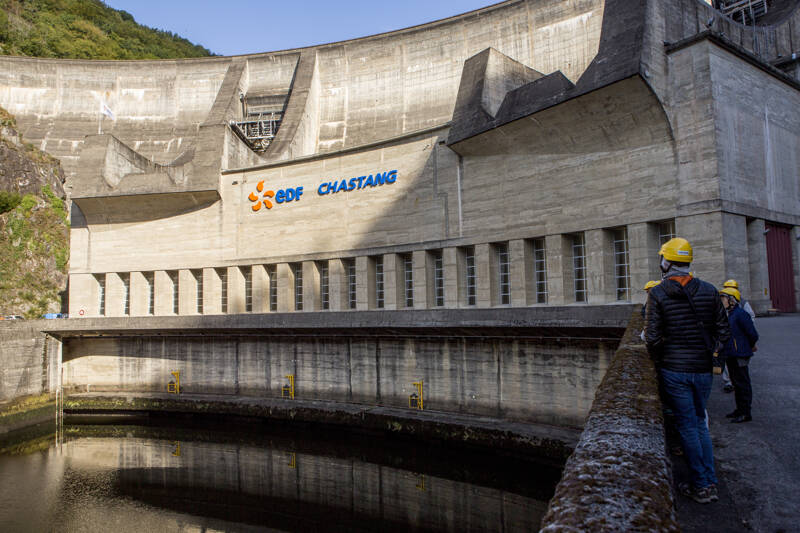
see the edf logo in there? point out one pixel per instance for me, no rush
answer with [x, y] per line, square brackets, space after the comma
[281, 196]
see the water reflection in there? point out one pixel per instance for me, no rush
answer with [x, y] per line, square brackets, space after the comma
[259, 477]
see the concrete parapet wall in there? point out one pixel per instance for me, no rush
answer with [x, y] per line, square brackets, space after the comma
[619, 477]
[28, 361]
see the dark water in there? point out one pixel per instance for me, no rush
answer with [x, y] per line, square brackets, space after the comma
[159, 475]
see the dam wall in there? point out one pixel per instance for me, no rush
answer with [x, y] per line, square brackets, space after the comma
[535, 373]
[367, 89]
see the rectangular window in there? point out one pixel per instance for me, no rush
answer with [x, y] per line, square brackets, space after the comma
[622, 270]
[324, 285]
[579, 267]
[101, 294]
[223, 280]
[350, 266]
[666, 231]
[408, 279]
[198, 278]
[272, 272]
[151, 292]
[248, 289]
[438, 278]
[378, 262]
[471, 275]
[297, 268]
[540, 270]
[126, 293]
[503, 274]
[173, 276]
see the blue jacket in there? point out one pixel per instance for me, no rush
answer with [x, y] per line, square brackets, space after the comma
[743, 334]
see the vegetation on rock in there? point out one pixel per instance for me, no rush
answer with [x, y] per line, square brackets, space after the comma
[34, 227]
[34, 252]
[84, 29]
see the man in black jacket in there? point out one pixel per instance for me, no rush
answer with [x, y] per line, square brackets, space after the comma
[684, 322]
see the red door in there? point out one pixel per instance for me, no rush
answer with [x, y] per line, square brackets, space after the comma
[779, 264]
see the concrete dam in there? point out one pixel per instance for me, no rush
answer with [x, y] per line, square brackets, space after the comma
[439, 232]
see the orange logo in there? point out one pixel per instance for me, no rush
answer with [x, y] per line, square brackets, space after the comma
[257, 202]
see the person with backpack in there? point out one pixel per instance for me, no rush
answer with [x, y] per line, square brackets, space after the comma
[727, 385]
[685, 322]
[737, 353]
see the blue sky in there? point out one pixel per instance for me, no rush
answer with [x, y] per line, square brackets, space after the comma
[249, 26]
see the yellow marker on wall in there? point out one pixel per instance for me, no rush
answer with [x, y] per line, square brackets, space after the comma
[417, 400]
[174, 387]
[288, 390]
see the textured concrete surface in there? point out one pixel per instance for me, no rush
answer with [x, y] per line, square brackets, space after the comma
[28, 360]
[758, 463]
[618, 478]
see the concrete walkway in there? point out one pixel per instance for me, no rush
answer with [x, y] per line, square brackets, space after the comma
[758, 463]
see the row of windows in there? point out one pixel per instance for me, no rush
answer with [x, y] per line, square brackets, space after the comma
[501, 272]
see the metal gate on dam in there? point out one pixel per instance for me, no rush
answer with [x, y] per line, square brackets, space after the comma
[534, 365]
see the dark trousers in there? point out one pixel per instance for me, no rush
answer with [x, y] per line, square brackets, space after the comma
[742, 390]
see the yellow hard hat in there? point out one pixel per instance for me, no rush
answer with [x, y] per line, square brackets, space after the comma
[676, 249]
[732, 283]
[730, 291]
[650, 284]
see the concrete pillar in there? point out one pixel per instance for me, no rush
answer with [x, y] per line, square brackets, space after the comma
[139, 294]
[485, 285]
[453, 290]
[187, 293]
[212, 292]
[312, 295]
[164, 294]
[560, 274]
[260, 288]
[600, 266]
[83, 295]
[523, 285]
[423, 289]
[737, 256]
[704, 233]
[337, 279]
[758, 290]
[643, 249]
[285, 288]
[795, 235]
[365, 283]
[236, 293]
[115, 295]
[392, 281]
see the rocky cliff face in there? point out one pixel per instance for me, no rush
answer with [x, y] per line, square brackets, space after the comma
[34, 228]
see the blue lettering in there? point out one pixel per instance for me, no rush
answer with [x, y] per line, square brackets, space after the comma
[360, 179]
[369, 181]
[342, 186]
[380, 179]
[298, 193]
[321, 187]
[289, 195]
[391, 177]
[280, 196]
[351, 184]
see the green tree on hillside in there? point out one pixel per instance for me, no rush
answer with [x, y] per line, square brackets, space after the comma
[84, 29]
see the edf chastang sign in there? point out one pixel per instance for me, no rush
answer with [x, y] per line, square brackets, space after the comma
[294, 194]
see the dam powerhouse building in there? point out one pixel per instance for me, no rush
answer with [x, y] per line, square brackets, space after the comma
[340, 213]
[529, 153]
